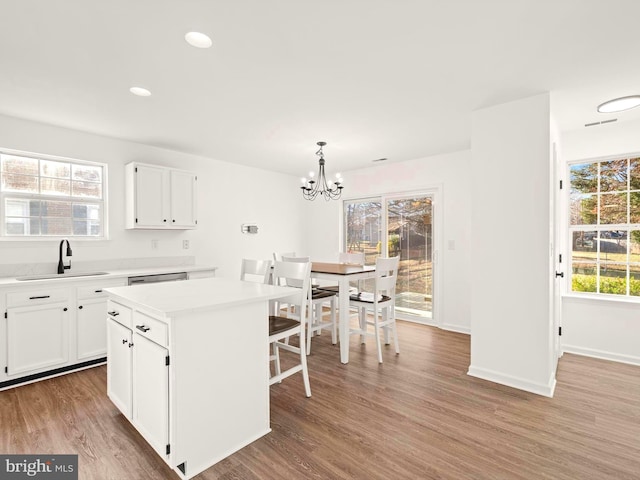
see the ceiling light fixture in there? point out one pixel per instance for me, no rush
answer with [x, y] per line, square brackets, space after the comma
[198, 40]
[330, 190]
[139, 91]
[619, 104]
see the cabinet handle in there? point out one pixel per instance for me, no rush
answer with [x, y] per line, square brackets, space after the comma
[64, 309]
[80, 307]
[143, 328]
[174, 221]
[41, 296]
[97, 291]
[130, 345]
[164, 220]
[124, 340]
[114, 313]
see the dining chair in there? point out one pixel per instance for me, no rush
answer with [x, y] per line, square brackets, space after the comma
[283, 326]
[255, 270]
[380, 302]
[315, 318]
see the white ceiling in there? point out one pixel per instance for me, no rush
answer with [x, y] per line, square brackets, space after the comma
[372, 78]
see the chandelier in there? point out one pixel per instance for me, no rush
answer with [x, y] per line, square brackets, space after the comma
[330, 190]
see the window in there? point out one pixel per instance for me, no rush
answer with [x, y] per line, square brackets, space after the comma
[604, 226]
[51, 197]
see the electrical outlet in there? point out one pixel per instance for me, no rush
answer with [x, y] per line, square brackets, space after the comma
[185, 244]
[154, 244]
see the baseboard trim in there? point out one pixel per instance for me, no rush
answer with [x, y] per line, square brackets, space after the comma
[456, 328]
[514, 382]
[15, 382]
[601, 354]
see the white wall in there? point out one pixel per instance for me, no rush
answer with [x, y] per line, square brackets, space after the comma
[451, 172]
[599, 327]
[228, 195]
[510, 304]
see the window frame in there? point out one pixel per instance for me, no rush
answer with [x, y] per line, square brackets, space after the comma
[102, 202]
[627, 227]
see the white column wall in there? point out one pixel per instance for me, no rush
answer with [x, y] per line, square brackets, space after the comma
[510, 255]
[228, 195]
[597, 327]
[450, 172]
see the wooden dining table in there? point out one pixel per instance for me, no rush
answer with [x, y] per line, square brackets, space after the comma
[342, 273]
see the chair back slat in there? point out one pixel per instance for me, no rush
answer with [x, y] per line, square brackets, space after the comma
[255, 270]
[294, 282]
[293, 274]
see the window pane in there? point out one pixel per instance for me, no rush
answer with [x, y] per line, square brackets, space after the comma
[87, 189]
[584, 178]
[634, 280]
[49, 168]
[87, 173]
[86, 211]
[584, 242]
[583, 278]
[634, 246]
[19, 165]
[19, 183]
[634, 173]
[613, 278]
[363, 228]
[56, 226]
[86, 228]
[634, 207]
[613, 175]
[584, 209]
[52, 186]
[613, 246]
[613, 208]
[56, 209]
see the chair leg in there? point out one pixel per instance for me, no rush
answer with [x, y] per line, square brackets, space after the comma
[334, 323]
[395, 336]
[375, 321]
[276, 353]
[362, 321]
[309, 332]
[303, 361]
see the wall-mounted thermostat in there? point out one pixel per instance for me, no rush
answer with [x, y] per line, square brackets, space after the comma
[249, 228]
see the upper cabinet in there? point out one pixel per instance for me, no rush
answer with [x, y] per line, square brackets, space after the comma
[160, 197]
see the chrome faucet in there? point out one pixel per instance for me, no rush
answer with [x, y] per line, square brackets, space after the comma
[61, 266]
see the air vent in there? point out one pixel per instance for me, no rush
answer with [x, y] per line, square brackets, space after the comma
[600, 123]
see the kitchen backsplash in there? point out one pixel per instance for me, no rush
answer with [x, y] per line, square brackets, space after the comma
[22, 269]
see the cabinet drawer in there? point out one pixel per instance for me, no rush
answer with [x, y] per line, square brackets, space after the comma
[96, 290]
[151, 328]
[119, 313]
[37, 297]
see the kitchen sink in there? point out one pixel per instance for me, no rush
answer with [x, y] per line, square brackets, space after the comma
[48, 276]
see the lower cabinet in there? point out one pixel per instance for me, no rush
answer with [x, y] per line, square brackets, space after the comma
[119, 361]
[138, 373]
[37, 337]
[151, 392]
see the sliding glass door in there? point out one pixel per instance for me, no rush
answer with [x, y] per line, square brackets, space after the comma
[399, 225]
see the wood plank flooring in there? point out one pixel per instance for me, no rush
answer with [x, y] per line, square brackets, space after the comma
[417, 416]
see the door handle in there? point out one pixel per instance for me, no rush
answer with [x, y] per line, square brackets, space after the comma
[560, 274]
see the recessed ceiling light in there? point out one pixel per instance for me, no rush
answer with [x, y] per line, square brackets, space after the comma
[619, 104]
[141, 92]
[197, 39]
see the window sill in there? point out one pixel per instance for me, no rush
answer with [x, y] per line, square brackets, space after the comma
[601, 297]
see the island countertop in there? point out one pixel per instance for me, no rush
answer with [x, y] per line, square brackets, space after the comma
[177, 298]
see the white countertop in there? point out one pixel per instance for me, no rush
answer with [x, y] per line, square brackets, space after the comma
[176, 298]
[62, 279]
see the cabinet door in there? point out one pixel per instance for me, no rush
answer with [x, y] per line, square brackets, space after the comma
[151, 392]
[183, 199]
[119, 354]
[37, 337]
[151, 196]
[91, 336]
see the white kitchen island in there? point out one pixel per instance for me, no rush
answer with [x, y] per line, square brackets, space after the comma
[188, 365]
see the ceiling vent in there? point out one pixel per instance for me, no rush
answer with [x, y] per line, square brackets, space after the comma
[600, 123]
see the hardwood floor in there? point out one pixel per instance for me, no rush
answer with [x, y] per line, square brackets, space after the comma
[417, 416]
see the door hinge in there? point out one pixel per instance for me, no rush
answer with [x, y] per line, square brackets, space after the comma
[196, 222]
[6, 369]
[196, 178]
[168, 449]
[560, 184]
[560, 258]
[5, 315]
[136, 169]
[136, 220]
[166, 360]
[559, 331]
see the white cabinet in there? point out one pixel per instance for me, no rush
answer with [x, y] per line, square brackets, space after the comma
[37, 330]
[91, 331]
[160, 197]
[119, 343]
[151, 392]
